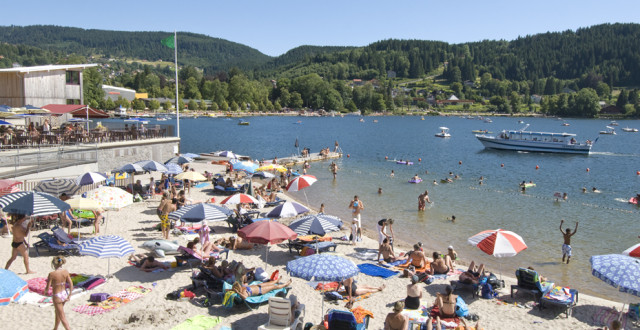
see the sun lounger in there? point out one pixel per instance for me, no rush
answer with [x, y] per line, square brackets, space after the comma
[191, 258]
[560, 297]
[529, 281]
[321, 246]
[253, 300]
[277, 202]
[50, 243]
[339, 319]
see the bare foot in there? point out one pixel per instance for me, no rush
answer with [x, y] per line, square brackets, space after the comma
[288, 282]
[382, 287]
[30, 272]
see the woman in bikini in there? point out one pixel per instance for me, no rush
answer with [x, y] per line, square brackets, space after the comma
[246, 291]
[59, 280]
[447, 303]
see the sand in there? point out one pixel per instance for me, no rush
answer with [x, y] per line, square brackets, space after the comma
[153, 311]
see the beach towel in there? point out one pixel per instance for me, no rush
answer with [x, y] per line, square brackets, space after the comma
[365, 254]
[360, 313]
[355, 299]
[445, 276]
[559, 294]
[115, 301]
[202, 185]
[198, 322]
[392, 264]
[447, 322]
[374, 270]
[420, 315]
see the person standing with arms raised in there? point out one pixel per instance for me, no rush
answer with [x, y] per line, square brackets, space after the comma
[566, 247]
[356, 207]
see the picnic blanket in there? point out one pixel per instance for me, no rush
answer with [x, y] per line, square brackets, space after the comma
[198, 322]
[420, 315]
[115, 301]
[374, 270]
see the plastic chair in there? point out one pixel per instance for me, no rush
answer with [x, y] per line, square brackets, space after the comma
[280, 315]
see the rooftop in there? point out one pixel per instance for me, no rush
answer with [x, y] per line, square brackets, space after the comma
[50, 67]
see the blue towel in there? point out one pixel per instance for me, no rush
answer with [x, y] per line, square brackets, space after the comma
[374, 270]
[202, 185]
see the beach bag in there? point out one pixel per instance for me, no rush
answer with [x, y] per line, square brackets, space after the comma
[98, 297]
[493, 280]
[487, 291]
[307, 251]
[261, 275]
[332, 295]
[275, 275]
[462, 309]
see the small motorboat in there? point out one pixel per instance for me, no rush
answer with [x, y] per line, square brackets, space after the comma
[565, 124]
[444, 133]
[520, 122]
[422, 118]
[614, 123]
[629, 129]
[610, 131]
[488, 120]
[362, 120]
[243, 123]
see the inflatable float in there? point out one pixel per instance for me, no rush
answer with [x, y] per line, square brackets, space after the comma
[528, 185]
[633, 200]
[415, 181]
[401, 162]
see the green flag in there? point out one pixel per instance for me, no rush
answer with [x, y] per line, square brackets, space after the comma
[169, 42]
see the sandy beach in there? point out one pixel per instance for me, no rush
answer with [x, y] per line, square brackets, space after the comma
[136, 224]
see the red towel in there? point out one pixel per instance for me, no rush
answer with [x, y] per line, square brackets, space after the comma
[360, 313]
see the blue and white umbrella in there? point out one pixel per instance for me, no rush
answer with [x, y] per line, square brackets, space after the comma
[190, 155]
[173, 168]
[2, 122]
[179, 160]
[32, 203]
[287, 209]
[200, 212]
[129, 168]
[316, 224]
[12, 287]
[90, 178]
[264, 175]
[58, 187]
[108, 246]
[152, 165]
[246, 166]
[620, 271]
[322, 267]
[226, 153]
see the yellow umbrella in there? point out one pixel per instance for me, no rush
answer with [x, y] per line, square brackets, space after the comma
[272, 167]
[191, 176]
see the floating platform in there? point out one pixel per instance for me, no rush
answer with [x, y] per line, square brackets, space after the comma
[313, 157]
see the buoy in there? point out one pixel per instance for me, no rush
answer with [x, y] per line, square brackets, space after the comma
[537, 167]
[386, 158]
[637, 172]
[460, 163]
[348, 156]
[502, 165]
[419, 159]
[588, 169]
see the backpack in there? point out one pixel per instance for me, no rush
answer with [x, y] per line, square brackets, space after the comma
[487, 291]
[493, 280]
[462, 309]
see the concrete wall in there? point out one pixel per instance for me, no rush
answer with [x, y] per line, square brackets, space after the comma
[114, 155]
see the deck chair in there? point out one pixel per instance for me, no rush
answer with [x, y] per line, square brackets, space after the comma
[50, 243]
[277, 202]
[280, 315]
[253, 300]
[529, 281]
[345, 320]
[560, 297]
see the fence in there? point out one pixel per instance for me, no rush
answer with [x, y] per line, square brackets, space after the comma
[22, 160]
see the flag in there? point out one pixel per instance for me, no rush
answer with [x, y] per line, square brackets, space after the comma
[169, 42]
[296, 143]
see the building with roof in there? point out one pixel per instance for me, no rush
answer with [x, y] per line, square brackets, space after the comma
[76, 110]
[113, 93]
[44, 84]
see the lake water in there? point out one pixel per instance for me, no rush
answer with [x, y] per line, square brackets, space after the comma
[608, 224]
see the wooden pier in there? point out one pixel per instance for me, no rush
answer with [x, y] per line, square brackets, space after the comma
[313, 157]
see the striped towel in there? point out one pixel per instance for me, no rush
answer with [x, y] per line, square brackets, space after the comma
[115, 301]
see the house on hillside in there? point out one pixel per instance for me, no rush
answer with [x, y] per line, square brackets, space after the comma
[535, 98]
[76, 110]
[41, 85]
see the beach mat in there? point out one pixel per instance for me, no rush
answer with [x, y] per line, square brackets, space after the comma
[202, 185]
[115, 301]
[198, 322]
[374, 270]
[364, 254]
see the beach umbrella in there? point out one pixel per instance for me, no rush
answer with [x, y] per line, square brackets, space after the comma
[633, 251]
[498, 243]
[9, 186]
[173, 168]
[179, 160]
[300, 183]
[272, 167]
[287, 209]
[266, 232]
[5, 108]
[107, 246]
[58, 187]
[81, 203]
[264, 175]
[247, 166]
[200, 212]
[12, 287]
[190, 155]
[110, 198]
[316, 224]
[322, 267]
[191, 176]
[9, 190]
[90, 178]
[130, 168]
[620, 271]
[152, 165]
[32, 203]
[225, 153]
[2, 122]
[239, 198]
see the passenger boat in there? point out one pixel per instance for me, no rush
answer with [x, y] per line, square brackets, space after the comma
[610, 131]
[444, 132]
[523, 140]
[629, 129]
[481, 131]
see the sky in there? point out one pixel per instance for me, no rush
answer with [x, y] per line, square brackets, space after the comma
[274, 27]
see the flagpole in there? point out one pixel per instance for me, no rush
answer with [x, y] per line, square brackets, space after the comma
[175, 56]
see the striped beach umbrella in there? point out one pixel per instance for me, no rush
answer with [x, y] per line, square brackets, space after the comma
[226, 153]
[179, 160]
[287, 209]
[498, 243]
[239, 198]
[90, 178]
[129, 168]
[301, 182]
[32, 203]
[108, 246]
[316, 224]
[173, 168]
[200, 212]
[633, 251]
[152, 165]
[58, 187]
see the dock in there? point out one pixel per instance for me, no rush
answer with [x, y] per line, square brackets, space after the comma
[313, 157]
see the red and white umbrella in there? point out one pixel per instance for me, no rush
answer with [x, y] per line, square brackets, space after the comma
[266, 232]
[239, 199]
[633, 251]
[301, 182]
[498, 243]
[9, 189]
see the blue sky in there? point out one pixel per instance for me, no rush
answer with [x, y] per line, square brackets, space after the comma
[274, 27]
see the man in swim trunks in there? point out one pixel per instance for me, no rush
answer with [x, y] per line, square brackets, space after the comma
[164, 217]
[19, 245]
[566, 247]
[356, 207]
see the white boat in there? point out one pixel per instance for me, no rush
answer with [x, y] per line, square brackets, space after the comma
[610, 131]
[520, 122]
[523, 140]
[444, 132]
[613, 123]
[565, 124]
[629, 129]
[488, 120]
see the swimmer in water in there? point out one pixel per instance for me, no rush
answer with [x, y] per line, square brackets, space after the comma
[595, 190]
[452, 219]
[435, 183]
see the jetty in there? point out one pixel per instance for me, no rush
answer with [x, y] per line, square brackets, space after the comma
[285, 161]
